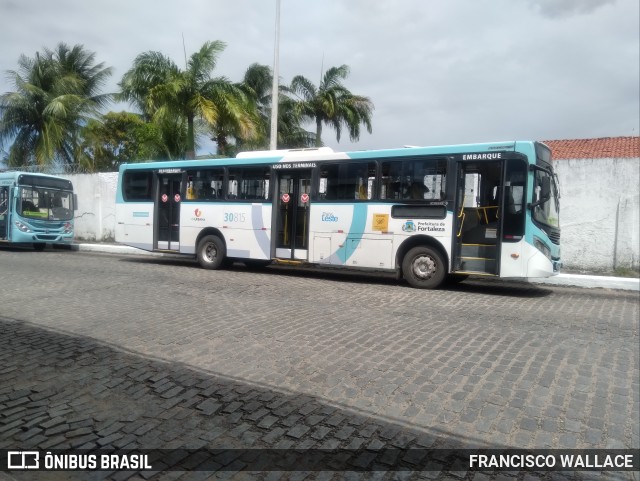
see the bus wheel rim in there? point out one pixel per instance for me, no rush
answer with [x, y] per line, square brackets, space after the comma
[424, 267]
[211, 252]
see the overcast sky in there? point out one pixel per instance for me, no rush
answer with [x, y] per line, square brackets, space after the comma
[437, 71]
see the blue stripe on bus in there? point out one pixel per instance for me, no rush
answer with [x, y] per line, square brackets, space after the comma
[358, 224]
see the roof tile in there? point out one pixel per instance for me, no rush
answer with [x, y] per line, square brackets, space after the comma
[603, 148]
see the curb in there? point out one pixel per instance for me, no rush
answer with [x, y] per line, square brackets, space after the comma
[114, 249]
[590, 282]
[568, 280]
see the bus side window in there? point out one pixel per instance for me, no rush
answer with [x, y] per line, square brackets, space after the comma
[391, 180]
[354, 181]
[204, 184]
[4, 200]
[418, 190]
[249, 183]
[322, 188]
[232, 190]
[136, 186]
[329, 182]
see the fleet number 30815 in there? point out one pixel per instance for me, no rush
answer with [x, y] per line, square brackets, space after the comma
[234, 217]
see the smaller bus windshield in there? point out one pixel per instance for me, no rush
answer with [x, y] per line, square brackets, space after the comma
[46, 204]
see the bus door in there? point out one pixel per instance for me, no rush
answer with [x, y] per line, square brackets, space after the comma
[292, 215]
[168, 200]
[4, 212]
[477, 233]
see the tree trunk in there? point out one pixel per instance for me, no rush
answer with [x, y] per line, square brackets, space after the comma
[191, 141]
[318, 132]
[221, 140]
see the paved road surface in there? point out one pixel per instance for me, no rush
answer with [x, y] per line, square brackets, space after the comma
[101, 351]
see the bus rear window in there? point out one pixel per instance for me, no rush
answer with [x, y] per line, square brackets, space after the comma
[136, 186]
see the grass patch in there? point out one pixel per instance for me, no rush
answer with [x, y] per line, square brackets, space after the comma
[626, 272]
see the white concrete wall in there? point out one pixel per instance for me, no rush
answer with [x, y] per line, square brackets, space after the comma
[599, 211]
[95, 219]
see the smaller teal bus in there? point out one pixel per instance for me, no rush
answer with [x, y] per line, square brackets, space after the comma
[36, 209]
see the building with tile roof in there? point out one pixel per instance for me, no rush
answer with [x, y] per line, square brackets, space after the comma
[602, 148]
[600, 205]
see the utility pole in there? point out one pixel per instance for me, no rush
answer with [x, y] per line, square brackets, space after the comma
[273, 140]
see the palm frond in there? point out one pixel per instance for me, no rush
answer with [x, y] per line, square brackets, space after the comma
[331, 103]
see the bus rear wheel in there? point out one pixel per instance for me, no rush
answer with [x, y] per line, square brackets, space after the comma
[423, 267]
[211, 252]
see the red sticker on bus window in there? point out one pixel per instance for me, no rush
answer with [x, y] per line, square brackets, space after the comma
[164, 197]
[304, 198]
[285, 198]
[176, 197]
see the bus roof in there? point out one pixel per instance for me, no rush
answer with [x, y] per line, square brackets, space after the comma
[325, 153]
[14, 174]
[30, 178]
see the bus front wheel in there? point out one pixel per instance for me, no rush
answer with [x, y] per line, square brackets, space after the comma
[423, 267]
[211, 252]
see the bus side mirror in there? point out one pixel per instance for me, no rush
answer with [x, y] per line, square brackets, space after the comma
[75, 202]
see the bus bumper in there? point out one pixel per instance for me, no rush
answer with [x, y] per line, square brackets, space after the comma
[557, 265]
[20, 237]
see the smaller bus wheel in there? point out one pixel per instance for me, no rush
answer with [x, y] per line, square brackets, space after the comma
[211, 252]
[39, 246]
[423, 267]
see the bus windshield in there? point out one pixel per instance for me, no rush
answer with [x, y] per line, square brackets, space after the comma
[546, 199]
[46, 204]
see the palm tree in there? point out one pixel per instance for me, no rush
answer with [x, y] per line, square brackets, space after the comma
[291, 135]
[56, 93]
[162, 91]
[257, 84]
[332, 103]
[237, 119]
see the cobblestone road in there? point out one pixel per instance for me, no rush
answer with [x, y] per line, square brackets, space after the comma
[100, 351]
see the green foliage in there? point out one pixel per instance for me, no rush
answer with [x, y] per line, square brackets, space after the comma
[120, 137]
[626, 272]
[53, 116]
[332, 103]
[257, 85]
[162, 91]
[56, 92]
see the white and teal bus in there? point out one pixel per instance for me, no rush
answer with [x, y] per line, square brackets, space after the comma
[36, 209]
[427, 213]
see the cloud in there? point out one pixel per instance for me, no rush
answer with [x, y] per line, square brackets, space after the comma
[568, 8]
[443, 71]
